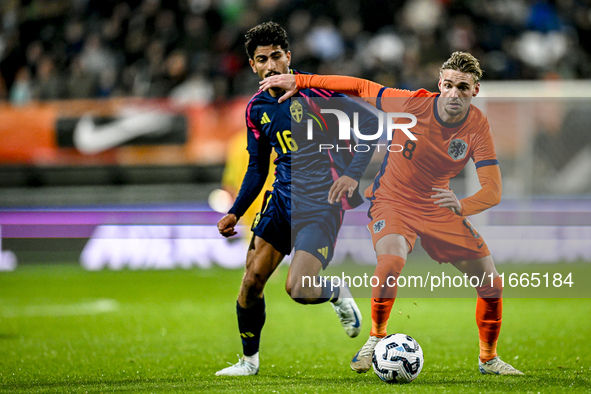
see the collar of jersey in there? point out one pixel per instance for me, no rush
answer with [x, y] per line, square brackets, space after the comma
[446, 124]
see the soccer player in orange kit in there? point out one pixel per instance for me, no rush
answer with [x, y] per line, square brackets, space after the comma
[410, 195]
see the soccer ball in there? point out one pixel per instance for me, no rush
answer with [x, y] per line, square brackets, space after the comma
[397, 358]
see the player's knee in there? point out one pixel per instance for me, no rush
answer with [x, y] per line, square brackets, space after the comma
[462, 266]
[303, 294]
[253, 283]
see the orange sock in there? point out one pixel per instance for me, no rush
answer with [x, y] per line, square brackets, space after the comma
[382, 298]
[489, 312]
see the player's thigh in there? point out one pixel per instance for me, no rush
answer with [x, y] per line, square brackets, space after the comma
[450, 238]
[317, 235]
[262, 258]
[393, 229]
[483, 268]
[392, 244]
[273, 223]
[261, 261]
[303, 265]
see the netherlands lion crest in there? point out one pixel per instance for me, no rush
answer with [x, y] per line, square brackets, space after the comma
[296, 110]
[457, 149]
[378, 226]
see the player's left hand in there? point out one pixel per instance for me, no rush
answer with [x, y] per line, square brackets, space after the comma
[447, 199]
[283, 81]
[344, 184]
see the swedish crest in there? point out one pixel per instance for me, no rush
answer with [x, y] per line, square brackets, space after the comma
[457, 149]
[296, 110]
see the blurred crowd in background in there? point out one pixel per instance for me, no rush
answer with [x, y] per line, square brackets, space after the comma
[193, 50]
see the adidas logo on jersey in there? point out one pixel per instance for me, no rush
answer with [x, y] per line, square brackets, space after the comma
[324, 251]
[265, 118]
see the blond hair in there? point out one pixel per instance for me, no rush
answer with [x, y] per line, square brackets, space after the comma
[463, 62]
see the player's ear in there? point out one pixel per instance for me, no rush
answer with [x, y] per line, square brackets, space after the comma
[288, 55]
[476, 89]
[440, 82]
[251, 62]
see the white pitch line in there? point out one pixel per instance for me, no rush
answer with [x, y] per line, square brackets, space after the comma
[102, 305]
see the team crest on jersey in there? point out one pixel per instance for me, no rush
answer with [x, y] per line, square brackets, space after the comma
[457, 149]
[378, 226]
[296, 110]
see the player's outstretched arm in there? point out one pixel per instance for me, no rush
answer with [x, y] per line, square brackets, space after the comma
[226, 225]
[282, 81]
[363, 88]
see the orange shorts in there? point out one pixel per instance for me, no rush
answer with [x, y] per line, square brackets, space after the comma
[445, 236]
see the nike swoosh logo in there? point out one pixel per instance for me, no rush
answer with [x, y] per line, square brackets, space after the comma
[90, 139]
[357, 322]
[480, 246]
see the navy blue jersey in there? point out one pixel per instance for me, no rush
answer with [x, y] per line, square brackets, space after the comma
[304, 173]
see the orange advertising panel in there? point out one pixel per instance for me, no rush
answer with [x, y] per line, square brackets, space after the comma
[119, 131]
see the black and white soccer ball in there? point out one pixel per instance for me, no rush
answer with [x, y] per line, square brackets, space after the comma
[397, 358]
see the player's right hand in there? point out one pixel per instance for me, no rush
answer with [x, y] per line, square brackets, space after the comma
[226, 225]
[283, 81]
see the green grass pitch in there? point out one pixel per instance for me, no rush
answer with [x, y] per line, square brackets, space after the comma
[66, 330]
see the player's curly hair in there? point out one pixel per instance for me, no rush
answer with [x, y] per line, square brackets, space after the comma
[463, 62]
[267, 33]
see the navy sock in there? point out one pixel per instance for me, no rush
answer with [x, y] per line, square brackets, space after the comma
[250, 323]
[329, 293]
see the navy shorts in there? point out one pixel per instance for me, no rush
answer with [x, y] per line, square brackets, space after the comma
[312, 230]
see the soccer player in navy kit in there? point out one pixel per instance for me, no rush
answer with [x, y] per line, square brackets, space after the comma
[305, 210]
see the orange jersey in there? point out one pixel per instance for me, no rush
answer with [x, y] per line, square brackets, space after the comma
[412, 168]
